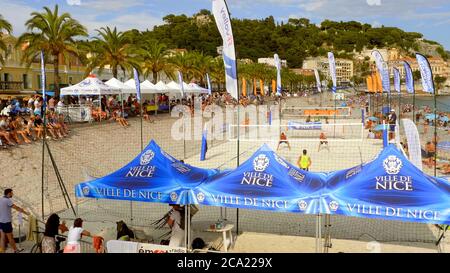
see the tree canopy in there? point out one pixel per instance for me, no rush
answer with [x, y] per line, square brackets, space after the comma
[294, 41]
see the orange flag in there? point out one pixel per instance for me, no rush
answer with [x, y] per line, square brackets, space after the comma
[261, 86]
[254, 87]
[379, 85]
[244, 87]
[274, 86]
[369, 84]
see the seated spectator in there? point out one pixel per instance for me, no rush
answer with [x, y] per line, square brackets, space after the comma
[39, 127]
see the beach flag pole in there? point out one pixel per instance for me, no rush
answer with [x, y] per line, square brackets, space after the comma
[428, 86]
[222, 17]
[44, 131]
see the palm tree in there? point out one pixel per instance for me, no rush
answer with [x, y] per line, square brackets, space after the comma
[155, 59]
[4, 25]
[114, 49]
[218, 71]
[184, 62]
[52, 33]
[202, 65]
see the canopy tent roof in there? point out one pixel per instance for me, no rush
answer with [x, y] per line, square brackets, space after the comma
[146, 87]
[90, 86]
[266, 182]
[197, 89]
[162, 87]
[113, 82]
[175, 86]
[389, 187]
[153, 176]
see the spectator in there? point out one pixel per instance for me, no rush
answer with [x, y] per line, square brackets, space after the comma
[6, 204]
[75, 234]
[52, 227]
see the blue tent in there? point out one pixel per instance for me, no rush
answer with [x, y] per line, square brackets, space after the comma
[153, 176]
[391, 188]
[265, 182]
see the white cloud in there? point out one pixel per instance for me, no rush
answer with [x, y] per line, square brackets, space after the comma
[73, 2]
[113, 5]
[140, 21]
[17, 15]
[374, 2]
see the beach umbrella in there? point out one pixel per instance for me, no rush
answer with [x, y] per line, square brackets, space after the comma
[373, 118]
[445, 145]
[444, 119]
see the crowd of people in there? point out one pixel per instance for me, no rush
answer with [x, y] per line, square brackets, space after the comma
[23, 124]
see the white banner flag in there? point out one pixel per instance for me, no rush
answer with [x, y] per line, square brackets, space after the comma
[425, 73]
[223, 22]
[332, 65]
[414, 148]
[319, 87]
[181, 82]
[383, 69]
[278, 65]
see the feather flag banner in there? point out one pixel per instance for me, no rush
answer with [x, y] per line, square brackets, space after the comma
[223, 22]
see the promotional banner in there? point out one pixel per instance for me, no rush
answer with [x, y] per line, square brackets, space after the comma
[153, 176]
[264, 182]
[389, 188]
[118, 246]
[369, 83]
[319, 87]
[204, 148]
[397, 85]
[378, 82]
[409, 79]
[383, 70]
[138, 84]
[223, 22]
[43, 82]
[425, 73]
[278, 66]
[209, 84]
[413, 140]
[332, 65]
[181, 83]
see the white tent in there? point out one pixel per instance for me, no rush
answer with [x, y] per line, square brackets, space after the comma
[197, 89]
[90, 86]
[150, 86]
[162, 87]
[174, 87]
[118, 84]
[146, 88]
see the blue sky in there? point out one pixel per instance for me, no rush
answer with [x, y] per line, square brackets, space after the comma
[430, 17]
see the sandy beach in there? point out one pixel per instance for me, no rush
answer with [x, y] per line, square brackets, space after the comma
[99, 149]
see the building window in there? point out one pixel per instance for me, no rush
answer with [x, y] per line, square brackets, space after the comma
[6, 77]
[25, 81]
[70, 80]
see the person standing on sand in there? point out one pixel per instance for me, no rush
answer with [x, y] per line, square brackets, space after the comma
[6, 204]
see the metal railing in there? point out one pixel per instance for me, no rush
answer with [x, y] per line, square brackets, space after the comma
[11, 86]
